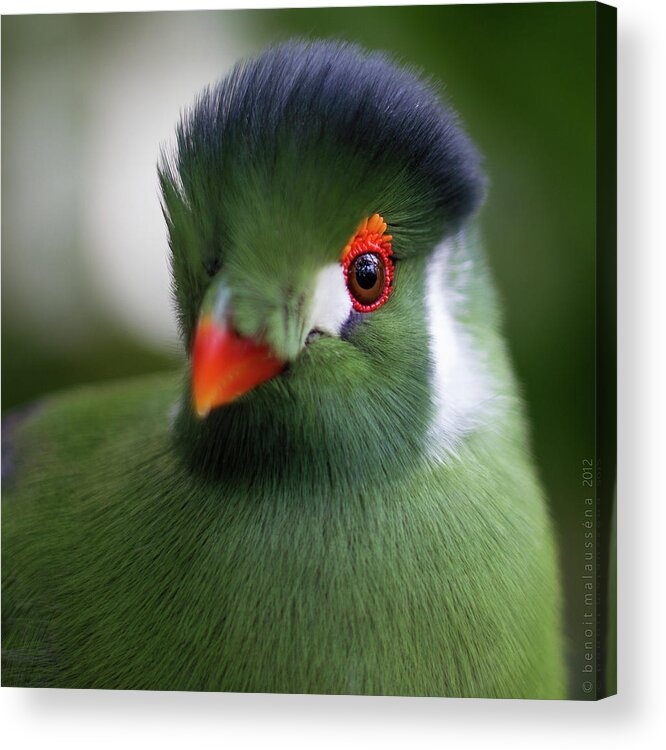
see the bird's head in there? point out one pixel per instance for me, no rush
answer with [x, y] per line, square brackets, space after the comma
[304, 199]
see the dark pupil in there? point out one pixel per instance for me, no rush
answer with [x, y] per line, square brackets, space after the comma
[366, 271]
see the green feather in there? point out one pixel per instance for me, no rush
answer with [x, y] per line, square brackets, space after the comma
[125, 570]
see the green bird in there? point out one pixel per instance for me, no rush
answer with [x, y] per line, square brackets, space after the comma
[337, 495]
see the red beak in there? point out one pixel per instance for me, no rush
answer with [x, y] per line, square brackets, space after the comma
[225, 366]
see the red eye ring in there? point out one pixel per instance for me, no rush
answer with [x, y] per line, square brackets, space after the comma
[370, 239]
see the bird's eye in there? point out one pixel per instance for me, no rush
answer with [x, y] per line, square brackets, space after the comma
[366, 279]
[367, 265]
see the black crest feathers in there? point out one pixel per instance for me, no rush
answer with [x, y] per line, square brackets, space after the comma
[323, 91]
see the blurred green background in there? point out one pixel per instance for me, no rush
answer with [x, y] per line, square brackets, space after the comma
[88, 99]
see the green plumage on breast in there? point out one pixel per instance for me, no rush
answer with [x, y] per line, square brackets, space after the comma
[128, 572]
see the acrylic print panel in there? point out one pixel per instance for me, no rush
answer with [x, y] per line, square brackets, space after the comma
[309, 351]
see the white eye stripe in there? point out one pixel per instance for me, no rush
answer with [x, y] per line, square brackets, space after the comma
[460, 383]
[331, 304]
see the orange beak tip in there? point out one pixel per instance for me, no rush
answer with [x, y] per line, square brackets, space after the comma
[226, 366]
[202, 411]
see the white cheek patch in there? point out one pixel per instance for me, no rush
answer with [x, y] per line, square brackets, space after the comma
[459, 381]
[460, 384]
[331, 304]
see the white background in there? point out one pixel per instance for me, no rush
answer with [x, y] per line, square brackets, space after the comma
[84, 719]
